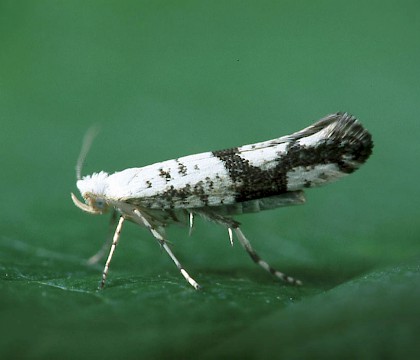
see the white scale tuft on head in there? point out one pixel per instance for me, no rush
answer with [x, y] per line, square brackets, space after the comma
[94, 184]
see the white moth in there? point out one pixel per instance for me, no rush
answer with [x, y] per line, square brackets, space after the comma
[220, 184]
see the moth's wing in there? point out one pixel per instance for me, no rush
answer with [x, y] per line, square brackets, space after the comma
[308, 131]
[257, 205]
[331, 148]
[321, 153]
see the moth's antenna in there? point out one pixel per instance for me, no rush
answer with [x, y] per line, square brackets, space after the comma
[87, 142]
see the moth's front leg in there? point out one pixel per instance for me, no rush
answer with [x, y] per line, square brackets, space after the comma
[111, 252]
[102, 251]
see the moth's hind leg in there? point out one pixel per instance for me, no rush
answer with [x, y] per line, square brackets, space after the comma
[257, 259]
[234, 225]
[162, 241]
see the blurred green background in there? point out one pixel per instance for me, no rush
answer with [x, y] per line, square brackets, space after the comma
[170, 78]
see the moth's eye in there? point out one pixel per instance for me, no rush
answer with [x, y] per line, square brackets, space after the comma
[99, 204]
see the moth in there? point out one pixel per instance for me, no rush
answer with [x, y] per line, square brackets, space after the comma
[219, 185]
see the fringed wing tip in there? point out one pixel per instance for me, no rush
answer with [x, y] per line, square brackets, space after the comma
[348, 131]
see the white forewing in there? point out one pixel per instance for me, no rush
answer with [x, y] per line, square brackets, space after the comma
[317, 175]
[314, 139]
[154, 181]
[264, 158]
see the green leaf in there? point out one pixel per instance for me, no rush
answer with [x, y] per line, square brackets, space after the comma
[170, 78]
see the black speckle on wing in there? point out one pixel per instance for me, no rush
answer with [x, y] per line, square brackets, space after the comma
[182, 169]
[251, 182]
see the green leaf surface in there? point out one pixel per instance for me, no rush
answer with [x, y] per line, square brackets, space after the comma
[165, 79]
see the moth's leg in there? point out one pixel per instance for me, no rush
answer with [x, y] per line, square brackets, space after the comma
[257, 259]
[111, 252]
[230, 235]
[222, 220]
[191, 222]
[234, 225]
[158, 236]
[102, 251]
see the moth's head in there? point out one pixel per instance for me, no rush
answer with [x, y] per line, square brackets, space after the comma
[92, 188]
